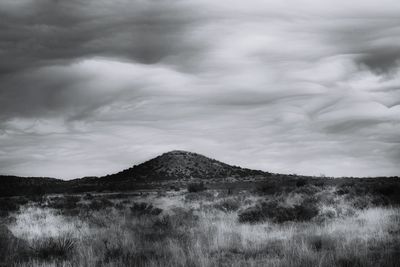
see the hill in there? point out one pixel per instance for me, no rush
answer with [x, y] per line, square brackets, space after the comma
[173, 165]
[177, 168]
[177, 165]
[14, 185]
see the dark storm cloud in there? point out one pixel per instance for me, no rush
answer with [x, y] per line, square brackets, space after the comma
[36, 35]
[374, 42]
[381, 62]
[309, 88]
[42, 32]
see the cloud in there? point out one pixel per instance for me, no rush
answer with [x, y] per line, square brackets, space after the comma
[42, 32]
[98, 86]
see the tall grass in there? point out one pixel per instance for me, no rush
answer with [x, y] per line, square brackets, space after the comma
[207, 231]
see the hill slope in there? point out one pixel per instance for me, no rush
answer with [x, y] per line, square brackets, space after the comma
[14, 185]
[178, 164]
[174, 165]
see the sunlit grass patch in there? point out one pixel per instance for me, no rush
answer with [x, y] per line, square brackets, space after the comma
[204, 229]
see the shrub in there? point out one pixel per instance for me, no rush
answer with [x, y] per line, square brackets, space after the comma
[116, 252]
[98, 204]
[113, 253]
[120, 206]
[306, 210]
[7, 205]
[204, 196]
[277, 212]
[326, 213]
[178, 223]
[270, 188]
[118, 196]
[126, 201]
[142, 208]
[40, 199]
[350, 261]
[88, 196]
[64, 203]
[11, 247]
[387, 189]
[362, 202]
[343, 190]
[52, 248]
[251, 215]
[381, 201]
[175, 188]
[307, 189]
[196, 187]
[321, 242]
[227, 205]
[301, 182]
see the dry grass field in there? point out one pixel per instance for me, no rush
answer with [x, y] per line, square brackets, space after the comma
[306, 226]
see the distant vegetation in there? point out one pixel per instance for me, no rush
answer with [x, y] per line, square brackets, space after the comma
[196, 187]
[308, 223]
[179, 169]
[236, 218]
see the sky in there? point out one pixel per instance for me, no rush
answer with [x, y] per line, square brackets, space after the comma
[91, 87]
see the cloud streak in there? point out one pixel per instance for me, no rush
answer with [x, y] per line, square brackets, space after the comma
[91, 87]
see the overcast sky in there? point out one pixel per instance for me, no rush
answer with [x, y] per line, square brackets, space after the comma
[90, 87]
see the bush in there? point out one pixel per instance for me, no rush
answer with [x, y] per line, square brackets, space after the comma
[321, 242]
[88, 196]
[306, 210]
[174, 188]
[6, 206]
[116, 252]
[118, 196]
[307, 189]
[270, 188]
[101, 203]
[326, 215]
[361, 202]
[387, 189]
[52, 248]
[381, 201]
[277, 212]
[11, 247]
[120, 206]
[227, 205]
[350, 261]
[343, 190]
[179, 219]
[196, 187]
[64, 203]
[252, 215]
[142, 208]
[301, 182]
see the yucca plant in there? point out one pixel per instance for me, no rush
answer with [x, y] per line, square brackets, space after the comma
[55, 247]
